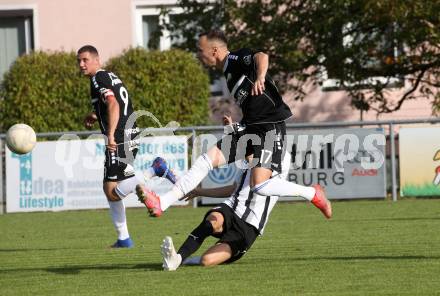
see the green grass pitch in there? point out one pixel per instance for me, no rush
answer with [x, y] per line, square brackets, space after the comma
[368, 248]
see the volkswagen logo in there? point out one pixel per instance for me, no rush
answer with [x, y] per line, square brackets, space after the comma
[223, 175]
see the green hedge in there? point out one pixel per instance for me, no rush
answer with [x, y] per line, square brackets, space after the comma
[169, 84]
[46, 91]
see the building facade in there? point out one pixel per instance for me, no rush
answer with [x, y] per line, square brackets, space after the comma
[115, 25]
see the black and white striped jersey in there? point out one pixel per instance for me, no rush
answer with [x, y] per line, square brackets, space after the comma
[253, 208]
[240, 72]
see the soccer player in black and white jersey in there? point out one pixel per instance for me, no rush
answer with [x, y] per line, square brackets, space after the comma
[113, 110]
[261, 131]
[236, 222]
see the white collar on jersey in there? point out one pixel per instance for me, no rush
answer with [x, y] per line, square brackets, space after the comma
[226, 63]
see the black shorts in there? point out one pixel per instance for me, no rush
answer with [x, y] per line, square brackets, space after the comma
[264, 141]
[238, 234]
[118, 166]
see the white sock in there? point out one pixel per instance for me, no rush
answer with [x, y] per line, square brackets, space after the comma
[117, 212]
[127, 186]
[149, 173]
[187, 182]
[280, 187]
[192, 260]
[167, 199]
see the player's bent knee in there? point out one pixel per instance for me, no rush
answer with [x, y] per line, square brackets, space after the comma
[216, 156]
[113, 197]
[209, 260]
[109, 192]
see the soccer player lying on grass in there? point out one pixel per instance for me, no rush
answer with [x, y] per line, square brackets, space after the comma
[236, 222]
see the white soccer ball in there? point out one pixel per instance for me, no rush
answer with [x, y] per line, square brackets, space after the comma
[21, 138]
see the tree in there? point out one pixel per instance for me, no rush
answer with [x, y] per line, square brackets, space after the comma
[46, 91]
[171, 85]
[351, 42]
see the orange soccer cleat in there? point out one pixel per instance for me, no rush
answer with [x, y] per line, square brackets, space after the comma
[150, 199]
[321, 202]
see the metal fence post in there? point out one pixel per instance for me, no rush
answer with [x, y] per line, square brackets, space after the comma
[393, 163]
[2, 181]
[193, 159]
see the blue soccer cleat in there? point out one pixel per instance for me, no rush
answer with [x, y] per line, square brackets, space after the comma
[161, 169]
[124, 243]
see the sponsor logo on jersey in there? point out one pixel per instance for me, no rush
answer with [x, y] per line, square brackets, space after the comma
[241, 95]
[247, 60]
[239, 91]
[233, 57]
[115, 80]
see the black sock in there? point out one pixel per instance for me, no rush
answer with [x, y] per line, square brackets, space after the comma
[195, 239]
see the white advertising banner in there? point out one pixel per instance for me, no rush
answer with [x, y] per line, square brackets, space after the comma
[348, 163]
[67, 174]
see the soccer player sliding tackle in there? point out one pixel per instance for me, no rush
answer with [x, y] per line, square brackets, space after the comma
[236, 222]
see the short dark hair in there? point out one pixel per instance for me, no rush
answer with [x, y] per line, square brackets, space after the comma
[88, 48]
[215, 34]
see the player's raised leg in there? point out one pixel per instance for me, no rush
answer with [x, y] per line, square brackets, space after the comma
[268, 157]
[160, 168]
[280, 187]
[149, 198]
[157, 204]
